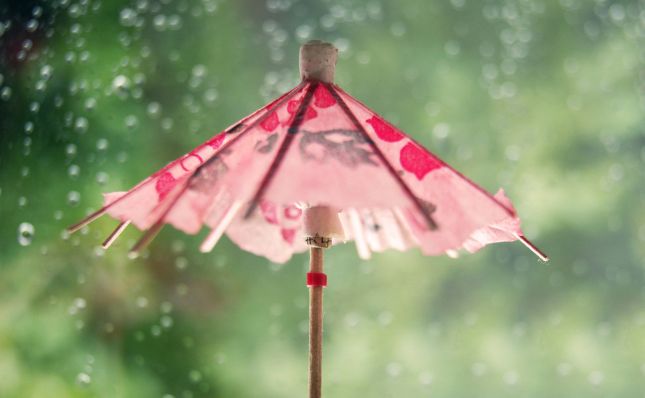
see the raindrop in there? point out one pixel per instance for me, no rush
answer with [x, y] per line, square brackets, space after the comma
[398, 29]
[166, 123]
[80, 303]
[102, 144]
[195, 376]
[479, 369]
[31, 25]
[128, 17]
[83, 379]
[596, 377]
[181, 263]
[131, 121]
[153, 109]
[617, 12]
[165, 307]
[81, 124]
[70, 150]
[511, 377]
[25, 233]
[46, 71]
[166, 322]
[385, 318]
[73, 198]
[199, 70]
[29, 127]
[393, 369]
[102, 177]
[513, 152]
[303, 32]
[452, 48]
[155, 330]
[120, 82]
[441, 130]
[74, 171]
[210, 95]
[5, 93]
[425, 378]
[90, 103]
[142, 302]
[174, 22]
[159, 22]
[564, 368]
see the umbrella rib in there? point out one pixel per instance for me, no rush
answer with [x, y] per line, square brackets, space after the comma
[510, 212]
[150, 234]
[275, 103]
[417, 203]
[156, 227]
[468, 180]
[284, 147]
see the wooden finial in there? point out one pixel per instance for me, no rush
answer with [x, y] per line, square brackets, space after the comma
[318, 61]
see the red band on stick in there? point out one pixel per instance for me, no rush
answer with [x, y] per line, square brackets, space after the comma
[316, 279]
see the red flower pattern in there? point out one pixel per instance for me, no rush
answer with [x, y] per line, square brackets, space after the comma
[418, 161]
[384, 130]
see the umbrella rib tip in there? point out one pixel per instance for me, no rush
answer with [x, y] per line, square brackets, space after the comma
[541, 255]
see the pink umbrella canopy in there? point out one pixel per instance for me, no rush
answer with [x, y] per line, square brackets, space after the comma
[316, 146]
[314, 167]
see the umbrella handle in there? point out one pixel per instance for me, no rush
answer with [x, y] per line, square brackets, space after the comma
[316, 281]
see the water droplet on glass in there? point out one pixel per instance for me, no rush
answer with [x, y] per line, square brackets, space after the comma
[25, 233]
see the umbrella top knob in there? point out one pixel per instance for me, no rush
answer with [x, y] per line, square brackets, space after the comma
[318, 61]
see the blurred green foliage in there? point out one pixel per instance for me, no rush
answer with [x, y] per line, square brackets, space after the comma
[542, 97]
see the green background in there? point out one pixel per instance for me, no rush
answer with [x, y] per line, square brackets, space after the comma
[544, 98]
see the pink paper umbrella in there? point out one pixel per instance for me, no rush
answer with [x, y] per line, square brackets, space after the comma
[312, 168]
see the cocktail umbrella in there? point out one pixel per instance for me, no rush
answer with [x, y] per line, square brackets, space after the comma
[312, 168]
